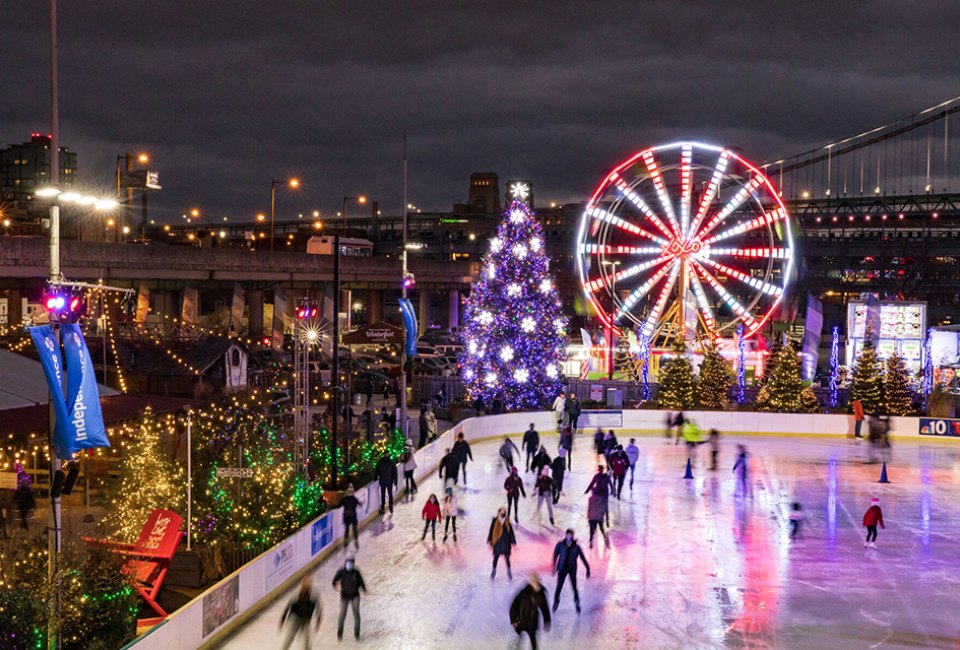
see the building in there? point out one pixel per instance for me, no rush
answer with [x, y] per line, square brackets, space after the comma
[25, 167]
[483, 196]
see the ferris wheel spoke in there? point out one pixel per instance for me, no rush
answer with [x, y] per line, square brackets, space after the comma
[628, 272]
[644, 288]
[764, 219]
[711, 192]
[709, 320]
[752, 253]
[665, 292]
[732, 302]
[618, 222]
[662, 195]
[765, 287]
[686, 186]
[627, 192]
[735, 202]
[609, 249]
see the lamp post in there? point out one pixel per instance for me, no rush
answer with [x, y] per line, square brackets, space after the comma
[128, 159]
[292, 183]
[359, 199]
[613, 306]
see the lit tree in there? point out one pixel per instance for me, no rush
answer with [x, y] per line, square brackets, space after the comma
[808, 400]
[514, 332]
[713, 385]
[149, 479]
[784, 384]
[677, 383]
[867, 385]
[897, 395]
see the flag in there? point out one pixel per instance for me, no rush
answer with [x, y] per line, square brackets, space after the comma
[812, 329]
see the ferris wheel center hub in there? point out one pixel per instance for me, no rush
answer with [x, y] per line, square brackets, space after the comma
[676, 247]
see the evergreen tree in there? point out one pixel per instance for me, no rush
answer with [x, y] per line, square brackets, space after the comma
[677, 382]
[867, 385]
[713, 385]
[808, 400]
[897, 395]
[784, 384]
[514, 332]
[149, 479]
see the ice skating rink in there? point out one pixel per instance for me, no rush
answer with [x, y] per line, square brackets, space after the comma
[691, 565]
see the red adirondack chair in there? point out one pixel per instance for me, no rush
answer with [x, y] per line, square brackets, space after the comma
[150, 556]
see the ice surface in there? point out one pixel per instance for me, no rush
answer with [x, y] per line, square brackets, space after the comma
[690, 566]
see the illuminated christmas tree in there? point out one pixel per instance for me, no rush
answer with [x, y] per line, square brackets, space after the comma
[677, 383]
[867, 383]
[784, 384]
[514, 332]
[713, 385]
[897, 395]
[808, 400]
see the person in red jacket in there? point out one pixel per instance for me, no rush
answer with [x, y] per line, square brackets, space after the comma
[618, 465]
[431, 515]
[514, 487]
[872, 517]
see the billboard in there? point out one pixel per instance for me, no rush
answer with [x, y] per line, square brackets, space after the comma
[903, 329]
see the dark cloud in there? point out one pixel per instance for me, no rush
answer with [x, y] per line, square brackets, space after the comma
[227, 96]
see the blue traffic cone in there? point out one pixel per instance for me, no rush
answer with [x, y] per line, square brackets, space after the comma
[883, 474]
[689, 472]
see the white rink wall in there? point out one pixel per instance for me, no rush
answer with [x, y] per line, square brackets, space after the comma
[272, 573]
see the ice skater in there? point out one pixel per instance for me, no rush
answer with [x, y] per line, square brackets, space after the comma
[409, 465]
[431, 515]
[543, 488]
[566, 444]
[740, 468]
[530, 444]
[559, 468]
[565, 556]
[857, 418]
[449, 468]
[350, 583]
[386, 471]
[600, 487]
[796, 518]
[527, 608]
[299, 612]
[559, 410]
[714, 448]
[871, 519]
[691, 437]
[596, 511]
[461, 451]
[507, 450]
[350, 503]
[668, 426]
[541, 460]
[618, 467]
[514, 487]
[501, 539]
[633, 455]
[609, 444]
[678, 423]
[572, 409]
[598, 442]
[450, 509]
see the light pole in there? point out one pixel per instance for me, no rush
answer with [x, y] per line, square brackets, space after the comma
[359, 199]
[613, 306]
[292, 183]
[128, 159]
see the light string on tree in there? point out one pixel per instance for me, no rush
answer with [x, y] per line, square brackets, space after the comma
[644, 354]
[835, 366]
[741, 366]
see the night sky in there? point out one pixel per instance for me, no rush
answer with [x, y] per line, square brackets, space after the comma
[229, 95]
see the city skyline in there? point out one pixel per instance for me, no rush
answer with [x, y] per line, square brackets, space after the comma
[224, 105]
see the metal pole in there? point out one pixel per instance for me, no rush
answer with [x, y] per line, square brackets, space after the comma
[403, 291]
[335, 378]
[273, 201]
[613, 306]
[189, 476]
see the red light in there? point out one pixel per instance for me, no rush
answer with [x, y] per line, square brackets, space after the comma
[313, 313]
[75, 303]
[266, 340]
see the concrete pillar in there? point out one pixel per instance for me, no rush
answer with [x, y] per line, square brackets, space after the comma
[453, 311]
[14, 307]
[255, 315]
[423, 316]
[190, 306]
[374, 306]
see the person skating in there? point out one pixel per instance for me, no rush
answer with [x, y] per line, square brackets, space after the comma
[461, 451]
[507, 450]
[598, 445]
[424, 428]
[740, 469]
[431, 424]
[566, 443]
[857, 418]
[559, 405]
[369, 390]
[501, 539]
[596, 511]
[609, 444]
[600, 486]
[431, 515]
[541, 460]
[449, 467]
[633, 455]
[668, 428]
[558, 467]
[714, 448]
[527, 608]
[450, 510]
[409, 464]
[543, 488]
[386, 471]
[350, 503]
[691, 436]
[350, 583]
[497, 407]
[678, 423]
[564, 565]
[618, 467]
[871, 518]
[530, 444]
[572, 408]
[514, 487]
[299, 612]
[796, 518]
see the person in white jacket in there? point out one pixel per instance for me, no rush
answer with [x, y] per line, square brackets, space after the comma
[432, 424]
[633, 455]
[450, 509]
[409, 465]
[559, 410]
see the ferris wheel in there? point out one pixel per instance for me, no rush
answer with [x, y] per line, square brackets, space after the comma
[685, 240]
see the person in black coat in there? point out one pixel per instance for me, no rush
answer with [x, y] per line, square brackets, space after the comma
[449, 467]
[501, 539]
[386, 471]
[558, 468]
[572, 407]
[299, 612]
[527, 608]
[565, 556]
[350, 583]
[461, 451]
[497, 407]
[423, 427]
[541, 460]
[350, 503]
[530, 444]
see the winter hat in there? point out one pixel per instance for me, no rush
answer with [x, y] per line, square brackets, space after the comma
[875, 500]
[562, 452]
[449, 490]
[409, 442]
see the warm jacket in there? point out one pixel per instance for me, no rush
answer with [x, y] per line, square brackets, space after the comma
[531, 440]
[633, 453]
[350, 504]
[527, 607]
[544, 485]
[596, 507]
[858, 410]
[565, 557]
[449, 506]
[505, 537]
[541, 460]
[514, 486]
[507, 449]
[558, 466]
[566, 440]
[461, 449]
[559, 405]
[572, 407]
[431, 511]
[609, 443]
[386, 471]
[690, 432]
[619, 464]
[409, 462]
[598, 441]
[449, 466]
[873, 516]
[350, 581]
[600, 485]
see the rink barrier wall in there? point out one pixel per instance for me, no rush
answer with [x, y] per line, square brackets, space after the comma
[274, 572]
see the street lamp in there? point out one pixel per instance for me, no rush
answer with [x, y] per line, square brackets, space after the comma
[358, 199]
[292, 183]
[128, 159]
[613, 306]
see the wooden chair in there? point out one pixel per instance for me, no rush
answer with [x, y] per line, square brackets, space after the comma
[149, 558]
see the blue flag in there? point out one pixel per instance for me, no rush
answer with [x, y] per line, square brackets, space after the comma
[83, 397]
[52, 366]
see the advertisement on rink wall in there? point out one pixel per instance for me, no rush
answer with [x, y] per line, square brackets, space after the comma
[940, 427]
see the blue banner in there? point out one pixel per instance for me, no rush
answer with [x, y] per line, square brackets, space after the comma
[50, 361]
[83, 397]
[410, 323]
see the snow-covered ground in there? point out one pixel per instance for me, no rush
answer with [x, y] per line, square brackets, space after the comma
[690, 564]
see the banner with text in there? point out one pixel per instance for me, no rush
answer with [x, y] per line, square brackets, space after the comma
[83, 396]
